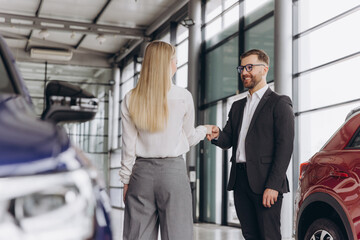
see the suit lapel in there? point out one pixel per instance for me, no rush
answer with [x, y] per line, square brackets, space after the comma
[259, 107]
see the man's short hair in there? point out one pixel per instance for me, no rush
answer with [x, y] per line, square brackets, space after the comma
[261, 54]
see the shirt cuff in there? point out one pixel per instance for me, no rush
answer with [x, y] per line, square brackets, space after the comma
[203, 129]
[124, 178]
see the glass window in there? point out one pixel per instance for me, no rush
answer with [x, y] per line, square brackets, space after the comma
[115, 178]
[182, 53]
[138, 67]
[99, 160]
[90, 136]
[126, 87]
[213, 9]
[182, 33]
[116, 197]
[166, 38]
[356, 141]
[256, 9]
[311, 15]
[262, 37]
[220, 71]
[321, 87]
[231, 17]
[115, 162]
[128, 72]
[229, 3]
[182, 76]
[222, 27]
[212, 28]
[212, 170]
[317, 127]
[99, 142]
[38, 105]
[329, 43]
[36, 87]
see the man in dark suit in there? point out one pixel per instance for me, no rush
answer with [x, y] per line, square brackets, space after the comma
[260, 130]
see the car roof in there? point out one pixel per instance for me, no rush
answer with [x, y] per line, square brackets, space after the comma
[352, 113]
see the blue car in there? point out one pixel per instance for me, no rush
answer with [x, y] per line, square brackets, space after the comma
[48, 188]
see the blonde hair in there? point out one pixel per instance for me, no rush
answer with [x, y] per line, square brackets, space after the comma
[148, 105]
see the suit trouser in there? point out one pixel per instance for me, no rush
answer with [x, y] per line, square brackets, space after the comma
[257, 222]
[158, 194]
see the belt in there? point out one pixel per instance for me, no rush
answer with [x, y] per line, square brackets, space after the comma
[241, 165]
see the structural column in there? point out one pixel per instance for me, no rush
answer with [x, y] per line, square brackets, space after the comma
[194, 12]
[283, 85]
[115, 109]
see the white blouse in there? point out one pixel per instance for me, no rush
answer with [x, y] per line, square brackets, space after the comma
[175, 140]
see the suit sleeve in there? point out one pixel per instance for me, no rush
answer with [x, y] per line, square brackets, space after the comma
[224, 140]
[284, 141]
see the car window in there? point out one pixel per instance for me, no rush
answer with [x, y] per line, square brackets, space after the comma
[355, 143]
[5, 82]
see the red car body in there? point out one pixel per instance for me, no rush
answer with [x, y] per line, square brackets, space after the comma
[328, 197]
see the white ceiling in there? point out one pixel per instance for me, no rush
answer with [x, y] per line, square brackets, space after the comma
[76, 25]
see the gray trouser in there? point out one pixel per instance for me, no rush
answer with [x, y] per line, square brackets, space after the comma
[158, 194]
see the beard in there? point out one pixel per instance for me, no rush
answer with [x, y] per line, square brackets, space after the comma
[250, 81]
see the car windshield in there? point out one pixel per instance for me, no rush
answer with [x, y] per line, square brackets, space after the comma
[5, 82]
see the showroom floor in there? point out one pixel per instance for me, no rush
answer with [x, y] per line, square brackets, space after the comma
[201, 230]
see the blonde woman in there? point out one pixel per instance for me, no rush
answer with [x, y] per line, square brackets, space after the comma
[158, 128]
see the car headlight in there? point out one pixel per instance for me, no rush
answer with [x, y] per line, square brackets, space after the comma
[45, 201]
[52, 206]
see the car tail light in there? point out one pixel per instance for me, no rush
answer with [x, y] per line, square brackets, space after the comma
[303, 168]
[339, 174]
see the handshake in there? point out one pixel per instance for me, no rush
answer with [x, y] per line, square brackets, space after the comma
[212, 132]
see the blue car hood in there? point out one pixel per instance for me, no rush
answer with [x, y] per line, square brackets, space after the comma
[25, 139]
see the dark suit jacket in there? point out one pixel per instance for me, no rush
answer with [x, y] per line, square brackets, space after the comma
[268, 143]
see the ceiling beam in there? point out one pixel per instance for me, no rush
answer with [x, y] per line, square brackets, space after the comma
[80, 41]
[31, 32]
[162, 19]
[10, 35]
[120, 55]
[96, 19]
[37, 14]
[51, 44]
[70, 26]
[165, 16]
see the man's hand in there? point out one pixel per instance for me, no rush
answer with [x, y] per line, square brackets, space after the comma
[213, 132]
[126, 186]
[270, 197]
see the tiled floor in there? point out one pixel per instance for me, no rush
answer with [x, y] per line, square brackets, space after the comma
[204, 231]
[201, 231]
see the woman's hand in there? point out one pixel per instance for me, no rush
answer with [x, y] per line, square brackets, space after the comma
[208, 129]
[212, 132]
[126, 186]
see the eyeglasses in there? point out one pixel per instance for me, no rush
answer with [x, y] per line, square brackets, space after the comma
[248, 67]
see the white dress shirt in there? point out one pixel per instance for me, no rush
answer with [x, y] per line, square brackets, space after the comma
[176, 139]
[250, 106]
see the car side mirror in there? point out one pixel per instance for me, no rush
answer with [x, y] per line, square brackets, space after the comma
[68, 103]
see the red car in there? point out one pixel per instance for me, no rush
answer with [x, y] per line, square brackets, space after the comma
[328, 198]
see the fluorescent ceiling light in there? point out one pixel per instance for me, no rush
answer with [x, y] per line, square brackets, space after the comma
[51, 54]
